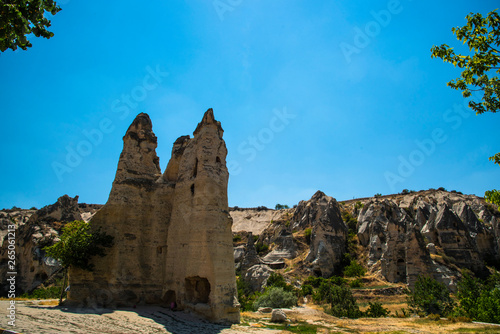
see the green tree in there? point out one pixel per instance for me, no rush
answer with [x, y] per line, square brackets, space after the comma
[19, 18]
[354, 269]
[430, 297]
[77, 245]
[276, 298]
[482, 36]
[281, 206]
[493, 196]
[468, 290]
[342, 302]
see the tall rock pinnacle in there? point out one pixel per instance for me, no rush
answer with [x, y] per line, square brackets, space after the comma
[172, 232]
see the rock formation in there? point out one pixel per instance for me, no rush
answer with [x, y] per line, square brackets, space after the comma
[429, 232]
[34, 231]
[329, 233]
[172, 232]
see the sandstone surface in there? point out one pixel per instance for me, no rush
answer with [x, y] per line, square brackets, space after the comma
[172, 231]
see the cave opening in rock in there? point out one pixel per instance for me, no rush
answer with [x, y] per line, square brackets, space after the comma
[197, 289]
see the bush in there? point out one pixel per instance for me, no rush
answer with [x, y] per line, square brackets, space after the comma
[306, 290]
[354, 269]
[276, 298]
[278, 281]
[307, 234]
[261, 248]
[376, 310]
[342, 303]
[429, 297]
[355, 283]
[52, 292]
[246, 297]
[237, 238]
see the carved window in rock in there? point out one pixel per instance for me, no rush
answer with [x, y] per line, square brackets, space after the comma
[195, 170]
[192, 189]
[197, 289]
[217, 160]
[401, 270]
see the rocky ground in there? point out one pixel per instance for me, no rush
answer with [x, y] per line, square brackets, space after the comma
[40, 317]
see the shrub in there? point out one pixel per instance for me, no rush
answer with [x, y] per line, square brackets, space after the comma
[358, 205]
[342, 303]
[246, 297]
[276, 298]
[355, 283]
[429, 297]
[377, 195]
[44, 293]
[281, 206]
[276, 280]
[376, 310]
[354, 269]
[306, 290]
[261, 248]
[307, 234]
[237, 238]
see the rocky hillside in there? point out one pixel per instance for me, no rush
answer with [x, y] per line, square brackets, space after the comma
[36, 229]
[395, 237]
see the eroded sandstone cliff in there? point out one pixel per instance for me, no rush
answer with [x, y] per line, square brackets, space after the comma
[172, 232]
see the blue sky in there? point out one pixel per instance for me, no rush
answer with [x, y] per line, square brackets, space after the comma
[337, 96]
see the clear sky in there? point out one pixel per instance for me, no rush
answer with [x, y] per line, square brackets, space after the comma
[338, 96]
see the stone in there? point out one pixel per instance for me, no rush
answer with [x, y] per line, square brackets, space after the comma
[278, 316]
[265, 309]
[329, 233]
[256, 276]
[172, 231]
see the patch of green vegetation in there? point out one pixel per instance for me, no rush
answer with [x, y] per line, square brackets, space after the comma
[307, 234]
[354, 269]
[485, 329]
[52, 292]
[301, 327]
[236, 238]
[276, 298]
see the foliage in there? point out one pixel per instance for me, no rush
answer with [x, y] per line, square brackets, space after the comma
[307, 234]
[276, 298]
[246, 297]
[480, 69]
[429, 297]
[236, 238]
[19, 18]
[261, 248]
[405, 191]
[301, 327]
[43, 293]
[377, 195]
[376, 310]
[354, 269]
[358, 205]
[78, 244]
[278, 281]
[342, 302]
[281, 206]
[306, 289]
[482, 35]
[478, 300]
[350, 221]
[493, 196]
[355, 283]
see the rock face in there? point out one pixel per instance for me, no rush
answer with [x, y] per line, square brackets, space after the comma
[431, 232]
[32, 234]
[172, 232]
[329, 232]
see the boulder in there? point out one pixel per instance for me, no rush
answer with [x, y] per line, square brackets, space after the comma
[278, 316]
